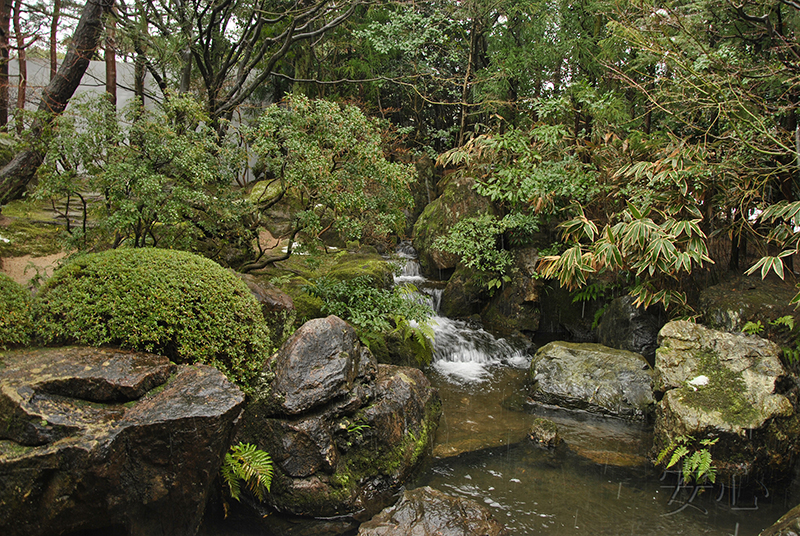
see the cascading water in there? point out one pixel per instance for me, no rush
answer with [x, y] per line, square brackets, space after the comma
[598, 482]
[462, 351]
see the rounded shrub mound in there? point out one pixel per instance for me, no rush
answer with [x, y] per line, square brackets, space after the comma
[156, 300]
[16, 317]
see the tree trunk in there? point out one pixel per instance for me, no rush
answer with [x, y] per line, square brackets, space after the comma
[5, 32]
[23, 67]
[15, 176]
[54, 38]
[111, 61]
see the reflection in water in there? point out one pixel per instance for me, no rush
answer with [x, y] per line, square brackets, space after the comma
[597, 482]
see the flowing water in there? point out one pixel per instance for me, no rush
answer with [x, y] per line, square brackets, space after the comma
[598, 481]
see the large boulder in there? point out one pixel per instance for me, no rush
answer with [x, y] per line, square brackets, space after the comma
[729, 305]
[463, 296]
[632, 328]
[514, 309]
[593, 378]
[344, 432]
[428, 512]
[728, 387]
[276, 306]
[109, 439]
[457, 202]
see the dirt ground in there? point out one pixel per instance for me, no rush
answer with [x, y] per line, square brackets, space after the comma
[23, 269]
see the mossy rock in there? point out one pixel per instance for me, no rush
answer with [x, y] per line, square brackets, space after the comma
[728, 387]
[16, 314]
[458, 201]
[463, 296]
[175, 303]
[350, 266]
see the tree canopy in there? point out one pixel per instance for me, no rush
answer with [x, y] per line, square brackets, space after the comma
[661, 136]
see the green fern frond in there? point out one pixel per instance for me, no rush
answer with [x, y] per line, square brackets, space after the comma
[247, 462]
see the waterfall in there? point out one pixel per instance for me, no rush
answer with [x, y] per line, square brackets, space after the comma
[462, 351]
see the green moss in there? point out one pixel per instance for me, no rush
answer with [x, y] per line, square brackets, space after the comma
[180, 305]
[16, 315]
[724, 392]
[10, 450]
[27, 238]
[350, 266]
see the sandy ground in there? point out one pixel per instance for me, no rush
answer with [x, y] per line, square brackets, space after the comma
[23, 269]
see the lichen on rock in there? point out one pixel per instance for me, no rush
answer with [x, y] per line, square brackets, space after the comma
[739, 400]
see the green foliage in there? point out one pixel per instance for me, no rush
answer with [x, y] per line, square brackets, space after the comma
[16, 315]
[169, 302]
[480, 240]
[330, 159]
[375, 310]
[753, 328]
[163, 177]
[246, 462]
[697, 464]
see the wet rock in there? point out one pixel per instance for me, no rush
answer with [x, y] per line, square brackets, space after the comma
[788, 525]
[276, 306]
[728, 306]
[514, 309]
[319, 363]
[458, 201]
[101, 438]
[544, 432]
[593, 378]
[344, 432]
[428, 512]
[463, 296]
[725, 386]
[631, 328]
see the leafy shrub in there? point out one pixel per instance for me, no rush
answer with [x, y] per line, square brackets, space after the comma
[170, 302]
[377, 310]
[16, 320]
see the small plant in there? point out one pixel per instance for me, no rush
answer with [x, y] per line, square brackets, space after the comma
[374, 310]
[696, 465]
[791, 353]
[357, 428]
[248, 463]
[753, 328]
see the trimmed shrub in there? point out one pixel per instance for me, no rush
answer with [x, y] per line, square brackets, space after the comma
[174, 303]
[16, 318]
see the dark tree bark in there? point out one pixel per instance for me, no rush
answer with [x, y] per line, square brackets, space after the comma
[23, 66]
[5, 33]
[53, 38]
[15, 176]
[110, 57]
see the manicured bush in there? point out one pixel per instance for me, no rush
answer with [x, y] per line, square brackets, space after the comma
[16, 319]
[163, 301]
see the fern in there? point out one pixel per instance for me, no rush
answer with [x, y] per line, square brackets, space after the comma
[753, 328]
[420, 336]
[246, 462]
[696, 465]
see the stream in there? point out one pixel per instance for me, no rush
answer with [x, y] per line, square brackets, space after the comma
[598, 481]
